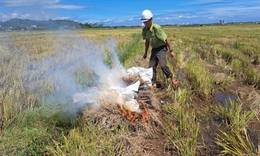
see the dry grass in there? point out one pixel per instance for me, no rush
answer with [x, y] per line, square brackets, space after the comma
[139, 137]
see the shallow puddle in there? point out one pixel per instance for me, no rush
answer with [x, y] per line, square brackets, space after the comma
[181, 75]
[224, 99]
[167, 100]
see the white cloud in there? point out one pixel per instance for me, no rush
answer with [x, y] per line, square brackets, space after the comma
[107, 20]
[180, 16]
[26, 15]
[61, 18]
[3, 16]
[14, 14]
[119, 20]
[29, 2]
[92, 21]
[233, 11]
[212, 18]
[68, 7]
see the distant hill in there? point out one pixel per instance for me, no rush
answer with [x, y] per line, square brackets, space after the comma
[26, 24]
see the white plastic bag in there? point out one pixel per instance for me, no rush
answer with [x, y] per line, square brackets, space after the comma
[145, 74]
[133, 106]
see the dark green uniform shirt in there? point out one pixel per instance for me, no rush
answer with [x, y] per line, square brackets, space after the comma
[155, 35]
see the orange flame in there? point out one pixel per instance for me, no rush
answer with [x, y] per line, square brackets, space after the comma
[133, 116]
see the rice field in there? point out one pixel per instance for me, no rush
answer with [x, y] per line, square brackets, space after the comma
[215, 111]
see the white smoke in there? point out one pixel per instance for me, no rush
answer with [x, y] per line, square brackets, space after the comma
[53, 77]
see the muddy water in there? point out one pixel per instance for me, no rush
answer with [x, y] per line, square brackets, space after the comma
[224, 99]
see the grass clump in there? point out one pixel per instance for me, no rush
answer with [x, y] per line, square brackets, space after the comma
[181, 129]
[233, 134]
[87, 139]
[202, 80]
[129, 50]
[29, 134]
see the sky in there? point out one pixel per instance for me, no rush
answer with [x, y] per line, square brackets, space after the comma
[128, 13]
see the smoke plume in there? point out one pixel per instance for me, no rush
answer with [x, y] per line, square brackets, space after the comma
[77, 66]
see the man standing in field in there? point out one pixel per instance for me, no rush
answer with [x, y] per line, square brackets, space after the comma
[155, 36]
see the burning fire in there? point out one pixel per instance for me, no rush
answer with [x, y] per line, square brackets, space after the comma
[125, 99]
[134, 116]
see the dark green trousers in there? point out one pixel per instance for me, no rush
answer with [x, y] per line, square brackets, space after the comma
[159, 55]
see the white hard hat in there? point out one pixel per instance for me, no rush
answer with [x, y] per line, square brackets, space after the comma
[146, 15]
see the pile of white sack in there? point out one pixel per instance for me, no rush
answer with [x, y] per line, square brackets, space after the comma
[124, 96]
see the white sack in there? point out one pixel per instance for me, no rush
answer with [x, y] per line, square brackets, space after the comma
[134, 87]
[133, 106]
[145, 74]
